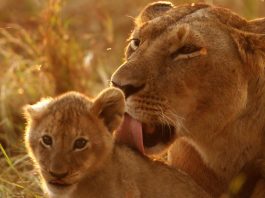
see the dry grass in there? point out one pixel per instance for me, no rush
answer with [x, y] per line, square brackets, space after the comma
[49, 47]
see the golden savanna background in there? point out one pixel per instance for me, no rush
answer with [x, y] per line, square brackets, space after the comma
[48, 47]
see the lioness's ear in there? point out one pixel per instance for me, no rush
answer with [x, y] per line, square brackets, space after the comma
[257, 26]
[153, 10]
[35, 111]
[109, 105]
[251, 48]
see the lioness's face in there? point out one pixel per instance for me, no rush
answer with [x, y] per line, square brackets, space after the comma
[182, 70]
[65, 149]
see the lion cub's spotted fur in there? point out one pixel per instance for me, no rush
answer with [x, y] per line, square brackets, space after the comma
[103, 168]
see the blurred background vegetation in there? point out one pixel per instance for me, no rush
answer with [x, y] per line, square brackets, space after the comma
[48, 47]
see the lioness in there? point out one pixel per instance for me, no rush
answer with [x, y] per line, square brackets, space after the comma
[196, 72]
[70, 140]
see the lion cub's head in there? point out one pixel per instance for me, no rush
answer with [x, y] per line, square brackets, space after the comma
[69, 136]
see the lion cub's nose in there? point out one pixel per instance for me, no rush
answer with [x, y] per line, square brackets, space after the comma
[129, 89]
[58, 175]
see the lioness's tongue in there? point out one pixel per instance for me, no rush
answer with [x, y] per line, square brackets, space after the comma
[130, 133]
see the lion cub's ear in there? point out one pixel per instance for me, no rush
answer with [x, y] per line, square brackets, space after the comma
[109, 105]
[35, 111]
[153, 10]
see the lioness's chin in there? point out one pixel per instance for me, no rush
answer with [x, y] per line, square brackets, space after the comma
[156, 150]
[157, 137]
[149, 138]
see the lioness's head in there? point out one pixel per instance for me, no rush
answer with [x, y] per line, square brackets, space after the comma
[187, 69]
[69, 136]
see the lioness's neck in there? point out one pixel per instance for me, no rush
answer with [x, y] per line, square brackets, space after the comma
[228, 150]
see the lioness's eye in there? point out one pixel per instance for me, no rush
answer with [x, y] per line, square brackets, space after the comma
[186, 50]
[134, 44]
[46, 140]
[80, 143]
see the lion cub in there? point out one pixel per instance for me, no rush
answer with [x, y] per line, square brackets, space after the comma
[70, 141]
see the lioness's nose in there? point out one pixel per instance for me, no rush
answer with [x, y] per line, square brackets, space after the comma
[129, 89]
[130, 78]
[58, 175]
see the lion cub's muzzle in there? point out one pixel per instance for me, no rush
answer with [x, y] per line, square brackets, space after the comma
[59, 180]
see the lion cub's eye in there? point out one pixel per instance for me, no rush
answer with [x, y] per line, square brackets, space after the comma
[80, 144]
[46, 140]
[134, 43]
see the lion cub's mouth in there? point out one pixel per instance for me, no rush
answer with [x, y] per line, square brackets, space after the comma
[59, 184]
[145, 137]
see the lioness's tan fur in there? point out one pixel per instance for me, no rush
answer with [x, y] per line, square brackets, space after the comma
[104, 169]
[215, 98]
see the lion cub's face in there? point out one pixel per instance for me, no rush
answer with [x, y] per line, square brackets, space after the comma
[69, 137]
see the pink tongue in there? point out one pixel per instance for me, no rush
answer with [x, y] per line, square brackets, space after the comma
[130, 133]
